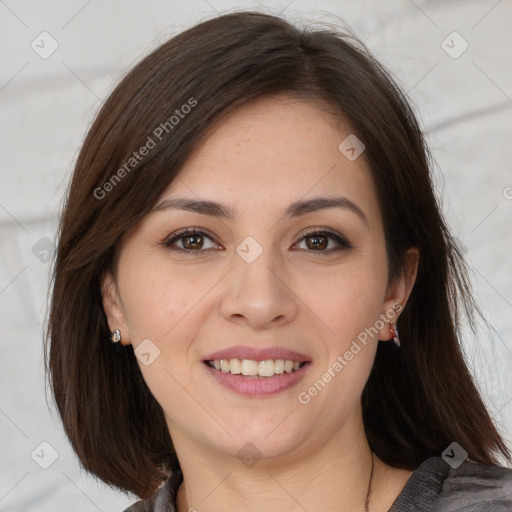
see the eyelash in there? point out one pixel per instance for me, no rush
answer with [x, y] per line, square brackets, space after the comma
[342, 241]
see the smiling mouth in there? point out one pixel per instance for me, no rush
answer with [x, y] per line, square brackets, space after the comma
[255, 369]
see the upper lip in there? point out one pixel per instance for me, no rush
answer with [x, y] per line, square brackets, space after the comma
[257, 354]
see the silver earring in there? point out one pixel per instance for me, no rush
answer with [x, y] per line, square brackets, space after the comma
[115, 337]
[394, 333]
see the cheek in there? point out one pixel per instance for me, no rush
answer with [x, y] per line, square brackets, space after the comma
[349, 349]
[346, 301]
[156, 297]
[159, 306]
[168, 307]
[348, 304]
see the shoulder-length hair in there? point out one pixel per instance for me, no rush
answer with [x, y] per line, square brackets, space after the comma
[418, 399]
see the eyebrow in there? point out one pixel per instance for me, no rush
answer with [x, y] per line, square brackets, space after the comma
[296, 209]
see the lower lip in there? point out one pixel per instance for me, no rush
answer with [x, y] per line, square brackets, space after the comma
[266, 386]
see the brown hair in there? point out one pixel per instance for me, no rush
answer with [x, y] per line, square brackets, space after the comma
[417, 400]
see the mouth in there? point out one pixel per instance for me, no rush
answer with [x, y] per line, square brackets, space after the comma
[257, 371]
[253, 369]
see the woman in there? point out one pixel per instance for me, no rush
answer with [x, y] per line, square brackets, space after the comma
[256, 300]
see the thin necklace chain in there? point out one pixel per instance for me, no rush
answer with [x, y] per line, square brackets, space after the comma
[367, 500]
[368, 493]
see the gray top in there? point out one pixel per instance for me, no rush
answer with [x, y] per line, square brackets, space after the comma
[433, 487]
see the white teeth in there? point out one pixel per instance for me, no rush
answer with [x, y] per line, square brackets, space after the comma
[267, 368]
[249, 367]
[235, 366]
[279, 366]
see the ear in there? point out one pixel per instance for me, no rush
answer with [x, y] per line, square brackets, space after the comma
[113, 307]
[398, 292]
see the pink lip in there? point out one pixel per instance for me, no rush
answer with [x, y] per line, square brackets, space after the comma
[257, 354]
[252, 387]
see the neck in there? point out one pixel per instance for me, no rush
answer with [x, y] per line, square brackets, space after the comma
[319, 477]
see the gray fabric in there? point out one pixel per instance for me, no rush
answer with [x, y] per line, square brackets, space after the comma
[433, 487]
[471, 487]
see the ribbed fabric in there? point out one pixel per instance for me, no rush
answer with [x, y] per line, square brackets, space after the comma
[433, 487]
[437, 487]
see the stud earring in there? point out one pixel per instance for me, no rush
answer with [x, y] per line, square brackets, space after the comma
[394, 333]
[115, 337]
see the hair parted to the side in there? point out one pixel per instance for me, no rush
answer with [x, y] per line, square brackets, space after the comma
[418, 399]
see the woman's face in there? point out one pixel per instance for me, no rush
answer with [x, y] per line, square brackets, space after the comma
[251, 283]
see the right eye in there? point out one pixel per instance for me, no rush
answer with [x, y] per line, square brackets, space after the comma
[191, 239]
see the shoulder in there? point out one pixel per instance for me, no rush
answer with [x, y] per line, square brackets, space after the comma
[469, 487]
[164, 499]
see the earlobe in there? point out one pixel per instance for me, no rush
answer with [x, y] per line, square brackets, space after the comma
[113, 308]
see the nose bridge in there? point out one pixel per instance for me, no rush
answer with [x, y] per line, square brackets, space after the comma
[256, 289]
[255, 268]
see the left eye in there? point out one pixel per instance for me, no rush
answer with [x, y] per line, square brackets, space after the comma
[319, 240]
[192, 241]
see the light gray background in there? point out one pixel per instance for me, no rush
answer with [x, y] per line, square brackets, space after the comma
[46, 106]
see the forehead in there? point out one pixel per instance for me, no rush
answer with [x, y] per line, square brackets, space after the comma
[275, 150]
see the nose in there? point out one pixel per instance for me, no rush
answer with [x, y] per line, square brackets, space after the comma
[259, 293]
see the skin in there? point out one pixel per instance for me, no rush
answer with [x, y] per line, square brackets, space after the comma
[258, 160]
